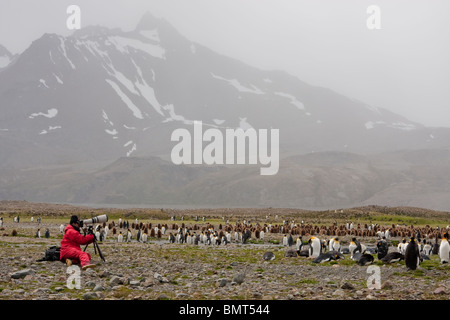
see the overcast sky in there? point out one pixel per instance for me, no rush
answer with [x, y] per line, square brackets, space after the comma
[403, 67]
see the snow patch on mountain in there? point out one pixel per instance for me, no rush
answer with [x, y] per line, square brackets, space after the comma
[50, 128]
[133, 148]
[218, 121]
[111, 132]
[106, 118]
[42, 81]
[235, 83]
[396, 125]
[293, 99]
[175, 117]
[122, 79]
[244, 125]
[51, 113]
[58, 79]
[150, 34]
[146, 91]
[136, 111]
[403, 126]
[63, 50]
[124, 44]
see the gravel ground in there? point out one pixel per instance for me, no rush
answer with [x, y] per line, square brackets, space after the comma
[159, 271]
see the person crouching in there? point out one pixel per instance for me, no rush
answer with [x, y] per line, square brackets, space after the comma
[70, 245]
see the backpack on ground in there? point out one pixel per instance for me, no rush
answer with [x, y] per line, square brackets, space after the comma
[52, 254]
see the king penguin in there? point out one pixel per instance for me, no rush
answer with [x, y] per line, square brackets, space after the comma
[444, 249]
[315, 247]
[392, 257]
[426, 248]
[285, 240]
[412, 255]
[120, 237]
[382, 249]
[171, 238]
[330, 244]
[365, 259]
[352, 247]
[290, 240]
[269, 256]
[299, 243]
[336, 245]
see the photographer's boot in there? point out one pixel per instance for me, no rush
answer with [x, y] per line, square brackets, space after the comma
[88, 266]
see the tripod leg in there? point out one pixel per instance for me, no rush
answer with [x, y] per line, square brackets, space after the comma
[100, 252]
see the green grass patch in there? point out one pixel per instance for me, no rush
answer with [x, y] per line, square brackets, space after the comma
[306, 281]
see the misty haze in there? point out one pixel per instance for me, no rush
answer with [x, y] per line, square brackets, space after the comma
[264, 150]
[87, 118]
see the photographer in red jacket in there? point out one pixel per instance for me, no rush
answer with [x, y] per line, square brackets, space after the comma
[70, 245]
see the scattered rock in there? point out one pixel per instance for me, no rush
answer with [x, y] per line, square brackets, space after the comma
[339, 293]
[160, 278]
[387, 285]
[22, 273]
[147, 284]
[98, 287]
[440, 290]
[347, 286]
[257, 295]
[239, 278]
[90, 296]
[115, 280]
[135, 283]
[104, 274]
[223, 282]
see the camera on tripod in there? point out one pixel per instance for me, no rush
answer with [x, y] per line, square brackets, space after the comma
[98, 219]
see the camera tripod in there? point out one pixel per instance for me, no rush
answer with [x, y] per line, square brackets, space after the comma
[96, 247]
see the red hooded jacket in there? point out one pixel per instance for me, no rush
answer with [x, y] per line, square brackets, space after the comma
[73, 239]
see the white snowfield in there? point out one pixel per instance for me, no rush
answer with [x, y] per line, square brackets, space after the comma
[236, 84]
[124, 44]
[51, 113]
[396, 125]
[293, 99]
[150, 34]
[136, 111]
[64, 51]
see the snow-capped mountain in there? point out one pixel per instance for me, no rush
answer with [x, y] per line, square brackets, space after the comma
[101, 94]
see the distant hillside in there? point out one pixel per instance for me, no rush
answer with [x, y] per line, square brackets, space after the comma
[313, 181]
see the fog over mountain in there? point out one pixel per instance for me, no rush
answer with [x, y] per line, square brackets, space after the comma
[88, 118]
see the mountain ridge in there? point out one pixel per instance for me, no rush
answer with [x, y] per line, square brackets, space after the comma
[104, 94]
